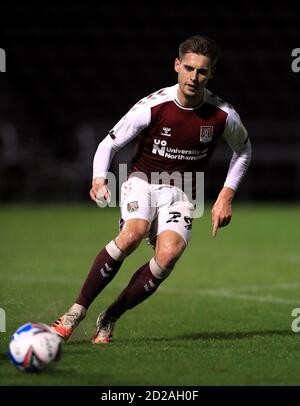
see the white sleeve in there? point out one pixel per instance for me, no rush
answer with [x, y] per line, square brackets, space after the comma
[129, 127]
[237, 138]
[103, 157]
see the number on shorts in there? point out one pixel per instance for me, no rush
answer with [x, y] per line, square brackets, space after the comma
[189, 221]
[175, 216]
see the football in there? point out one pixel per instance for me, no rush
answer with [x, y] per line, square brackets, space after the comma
[33, 347]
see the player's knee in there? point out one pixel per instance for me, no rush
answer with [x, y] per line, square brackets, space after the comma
[133, 238]
[132, 233]
[128, 241]
[168, 254]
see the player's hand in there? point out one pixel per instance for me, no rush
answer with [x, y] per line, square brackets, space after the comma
[99, 192]
[221, 212]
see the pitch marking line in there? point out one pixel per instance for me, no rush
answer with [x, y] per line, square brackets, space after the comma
[226, 293]
[229, 293]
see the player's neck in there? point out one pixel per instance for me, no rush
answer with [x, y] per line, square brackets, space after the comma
[189, 101]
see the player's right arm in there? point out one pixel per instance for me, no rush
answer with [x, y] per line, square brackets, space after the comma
[99, 189]
[129, 127]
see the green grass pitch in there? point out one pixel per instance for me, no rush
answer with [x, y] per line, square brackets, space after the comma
[222, 318]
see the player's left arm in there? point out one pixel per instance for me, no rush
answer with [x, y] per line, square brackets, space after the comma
[237, 138]
[221, 212]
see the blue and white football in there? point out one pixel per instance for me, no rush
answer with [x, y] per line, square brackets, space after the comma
[33, 347]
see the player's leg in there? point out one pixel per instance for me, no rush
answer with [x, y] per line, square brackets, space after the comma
[104, 268]
[169, 247]
[109, 260]
[137, 215]
[171, 230]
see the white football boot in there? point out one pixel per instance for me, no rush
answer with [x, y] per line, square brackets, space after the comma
[104, 330]
[66, 324]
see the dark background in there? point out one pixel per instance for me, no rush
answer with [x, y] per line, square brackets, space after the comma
[74, 70]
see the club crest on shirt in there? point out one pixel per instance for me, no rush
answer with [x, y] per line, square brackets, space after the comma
[206, 133]
[132, 206]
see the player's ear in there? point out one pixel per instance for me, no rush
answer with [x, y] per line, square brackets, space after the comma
[176, 65]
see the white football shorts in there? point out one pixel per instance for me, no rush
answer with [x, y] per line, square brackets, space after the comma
[165, 207]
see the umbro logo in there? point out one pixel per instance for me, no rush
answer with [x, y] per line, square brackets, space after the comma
[166, 131]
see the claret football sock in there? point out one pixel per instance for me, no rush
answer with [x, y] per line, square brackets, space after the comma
[142, 285]
[103, 270]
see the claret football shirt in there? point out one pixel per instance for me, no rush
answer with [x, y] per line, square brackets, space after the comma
[173, 138]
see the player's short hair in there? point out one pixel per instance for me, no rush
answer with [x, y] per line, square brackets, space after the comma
[198, 44]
